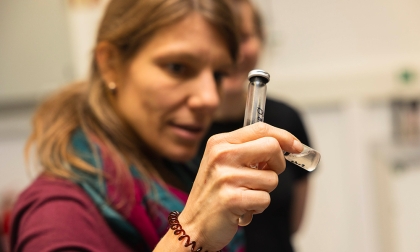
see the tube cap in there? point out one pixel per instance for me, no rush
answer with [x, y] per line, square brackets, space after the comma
[259, 73]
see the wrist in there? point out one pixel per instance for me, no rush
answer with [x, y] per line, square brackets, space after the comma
[186, 232]
[170, 243]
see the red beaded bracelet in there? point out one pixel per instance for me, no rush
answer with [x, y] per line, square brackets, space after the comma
[176, 226]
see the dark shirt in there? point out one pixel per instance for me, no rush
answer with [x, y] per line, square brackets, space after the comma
[271, 230]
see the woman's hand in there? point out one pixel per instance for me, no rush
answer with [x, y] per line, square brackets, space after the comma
[226, 187]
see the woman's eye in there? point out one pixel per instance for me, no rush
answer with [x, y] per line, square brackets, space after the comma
[176, 68]
[245, 37]
[218, 77]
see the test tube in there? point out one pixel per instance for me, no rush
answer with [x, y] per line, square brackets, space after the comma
[308, 159]
[257, 92]
[254, 112]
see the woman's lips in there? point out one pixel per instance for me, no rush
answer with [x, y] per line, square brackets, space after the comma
[188, 131]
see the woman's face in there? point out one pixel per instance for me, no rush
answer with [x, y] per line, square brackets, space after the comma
[249, 52]
[171, 87]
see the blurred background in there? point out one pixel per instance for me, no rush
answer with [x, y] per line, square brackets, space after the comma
[351, 67]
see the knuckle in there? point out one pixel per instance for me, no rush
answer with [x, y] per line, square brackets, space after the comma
[217, 139]
[224, 177]
[260, 128]
[229, 198]
[273, 180]
[278, 168]
[224, 196]
[212, 141]
[218, 154]
[216, 150]
[270, 143]
[281, 167]
[265, 200]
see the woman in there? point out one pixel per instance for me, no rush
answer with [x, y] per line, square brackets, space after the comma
[110, 148]
[271, 231]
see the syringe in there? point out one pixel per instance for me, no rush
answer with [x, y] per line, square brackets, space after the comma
[308, 159]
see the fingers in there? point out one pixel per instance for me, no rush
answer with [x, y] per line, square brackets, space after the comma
[243, 200]
[255, 201]
[287, 141]
[263, 180]
[263, 150]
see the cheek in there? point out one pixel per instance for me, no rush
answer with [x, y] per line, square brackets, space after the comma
[136, 101]
[145, 107]
[130, 104]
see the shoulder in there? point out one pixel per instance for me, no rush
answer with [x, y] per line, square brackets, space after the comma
[281, 108]
[46, 186]
[47, 189]
[48, 206]
[53, 214]
[283, 115]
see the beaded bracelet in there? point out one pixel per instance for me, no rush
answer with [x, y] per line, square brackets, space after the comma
[176, 226]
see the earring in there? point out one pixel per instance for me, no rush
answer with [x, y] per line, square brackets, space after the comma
[112, 86]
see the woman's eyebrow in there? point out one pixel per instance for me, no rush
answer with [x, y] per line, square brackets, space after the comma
[184, 56]
[192, 57]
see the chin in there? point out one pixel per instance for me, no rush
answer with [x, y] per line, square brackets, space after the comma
[182, 154]
[181, 158]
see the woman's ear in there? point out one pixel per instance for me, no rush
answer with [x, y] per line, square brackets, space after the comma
[107, 60]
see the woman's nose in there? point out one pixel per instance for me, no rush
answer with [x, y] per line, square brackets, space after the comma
[205, 94]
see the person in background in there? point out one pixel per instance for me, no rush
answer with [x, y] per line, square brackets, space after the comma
[111, 149]
[271, 231]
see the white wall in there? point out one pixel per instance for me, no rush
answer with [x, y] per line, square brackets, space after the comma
[34, 49]
[321, 51]
[14, 130]
[82, 22]
[341, 210]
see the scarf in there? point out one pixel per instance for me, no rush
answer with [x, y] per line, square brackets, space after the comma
[142, 226]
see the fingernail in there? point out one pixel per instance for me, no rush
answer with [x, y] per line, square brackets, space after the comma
[297, 145]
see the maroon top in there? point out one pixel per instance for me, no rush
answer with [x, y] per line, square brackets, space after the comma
[57, 215]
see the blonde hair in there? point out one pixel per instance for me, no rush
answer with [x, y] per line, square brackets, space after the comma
[127, 25]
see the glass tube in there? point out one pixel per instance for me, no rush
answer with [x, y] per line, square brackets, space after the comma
[254, 112]
[308, 159]
[255, 103]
